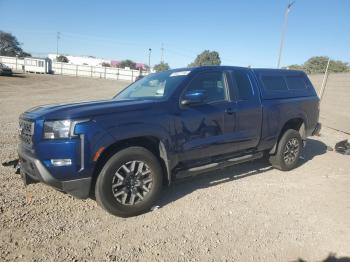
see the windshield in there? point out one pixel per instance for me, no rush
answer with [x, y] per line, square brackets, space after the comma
[153, 87]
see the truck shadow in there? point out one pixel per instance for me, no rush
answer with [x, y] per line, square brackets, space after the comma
[331, 258]
[313, 148]
[186, 186]
[16, 75]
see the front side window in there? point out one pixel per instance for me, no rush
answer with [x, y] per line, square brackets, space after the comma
[212, 84]
[153, 87]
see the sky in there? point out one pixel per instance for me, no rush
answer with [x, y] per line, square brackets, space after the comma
[245, 33]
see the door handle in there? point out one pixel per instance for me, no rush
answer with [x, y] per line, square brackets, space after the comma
[229, 111]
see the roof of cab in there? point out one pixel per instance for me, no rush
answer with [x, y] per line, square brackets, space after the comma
[256, 70]
[214, 67]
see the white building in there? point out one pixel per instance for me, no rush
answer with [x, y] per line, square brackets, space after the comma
[82, 60]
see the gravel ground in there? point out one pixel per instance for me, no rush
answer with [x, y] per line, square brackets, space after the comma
[249, 212]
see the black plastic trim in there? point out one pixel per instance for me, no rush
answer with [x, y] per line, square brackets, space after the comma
[36, 172]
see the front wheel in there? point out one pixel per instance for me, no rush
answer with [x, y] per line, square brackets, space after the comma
[288, 151]
[130, 182]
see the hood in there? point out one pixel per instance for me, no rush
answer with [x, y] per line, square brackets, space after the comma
[85, 109]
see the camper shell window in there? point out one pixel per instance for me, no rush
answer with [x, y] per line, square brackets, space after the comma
[295, 82]
[279, 83]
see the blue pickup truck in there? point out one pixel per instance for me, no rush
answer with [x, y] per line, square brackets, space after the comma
[167, 126]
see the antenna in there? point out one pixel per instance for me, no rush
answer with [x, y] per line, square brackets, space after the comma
[285, 23]
[149, 58]
[58, 38]
[162, 53]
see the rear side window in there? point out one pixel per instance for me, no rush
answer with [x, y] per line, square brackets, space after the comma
[274, 83]
[244, 86]
[295, 82]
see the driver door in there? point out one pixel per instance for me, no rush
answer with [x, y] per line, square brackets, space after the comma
[200, 128]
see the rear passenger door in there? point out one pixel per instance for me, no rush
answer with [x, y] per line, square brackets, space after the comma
[248, 109]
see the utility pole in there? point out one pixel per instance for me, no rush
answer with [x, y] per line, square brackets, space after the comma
[284, 29]
[58, 38]
[162, 54]
[325, 77]
[149, 58]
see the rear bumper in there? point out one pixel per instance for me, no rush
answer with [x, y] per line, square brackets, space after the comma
[32, 171]
[317, 129]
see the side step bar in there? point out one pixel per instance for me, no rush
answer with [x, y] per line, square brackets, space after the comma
[213, 166]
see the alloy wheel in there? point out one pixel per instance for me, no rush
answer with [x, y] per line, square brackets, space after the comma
[291, 151]
[132, 182]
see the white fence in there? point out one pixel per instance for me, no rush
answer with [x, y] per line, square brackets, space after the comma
[95, 71]
[78, 70]
[13, 62]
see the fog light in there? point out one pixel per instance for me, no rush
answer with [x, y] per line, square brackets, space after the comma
[61, 162]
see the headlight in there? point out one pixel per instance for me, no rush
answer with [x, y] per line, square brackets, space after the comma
[60, 129]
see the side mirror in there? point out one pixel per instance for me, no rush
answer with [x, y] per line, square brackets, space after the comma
[194, 97]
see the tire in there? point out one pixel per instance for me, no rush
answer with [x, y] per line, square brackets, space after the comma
[288, 151]
[121, 185]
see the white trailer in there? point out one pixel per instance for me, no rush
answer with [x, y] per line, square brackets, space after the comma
[37, 65]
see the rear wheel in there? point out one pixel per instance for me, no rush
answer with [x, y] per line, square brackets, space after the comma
[130, 182]
[288, 151]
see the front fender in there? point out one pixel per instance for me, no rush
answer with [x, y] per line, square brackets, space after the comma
[136, 130]
[118, 133]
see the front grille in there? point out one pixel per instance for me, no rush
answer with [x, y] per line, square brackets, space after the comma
[26, 131]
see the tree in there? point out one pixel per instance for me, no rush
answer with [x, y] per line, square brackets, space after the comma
[9, 46]
[161, 67]
[105, 64]
[62, 59]
[318, 64]
[127, 63]
[206, 58]
[25, 54]
[296, 67]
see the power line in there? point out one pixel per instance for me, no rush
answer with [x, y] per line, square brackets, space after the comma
[98, 38]
[108, 41]
[190, 56]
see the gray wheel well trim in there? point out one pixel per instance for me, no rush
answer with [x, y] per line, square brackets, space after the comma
[301, 130]
[159, 147]
[164, 155]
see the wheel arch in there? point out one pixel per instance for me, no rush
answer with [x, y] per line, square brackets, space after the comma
[297, 123]
[152, 143]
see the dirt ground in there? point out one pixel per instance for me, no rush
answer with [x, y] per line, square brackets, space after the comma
[249, 212]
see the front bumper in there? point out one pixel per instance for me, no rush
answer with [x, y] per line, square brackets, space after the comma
[6, 73]
[32, 171]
